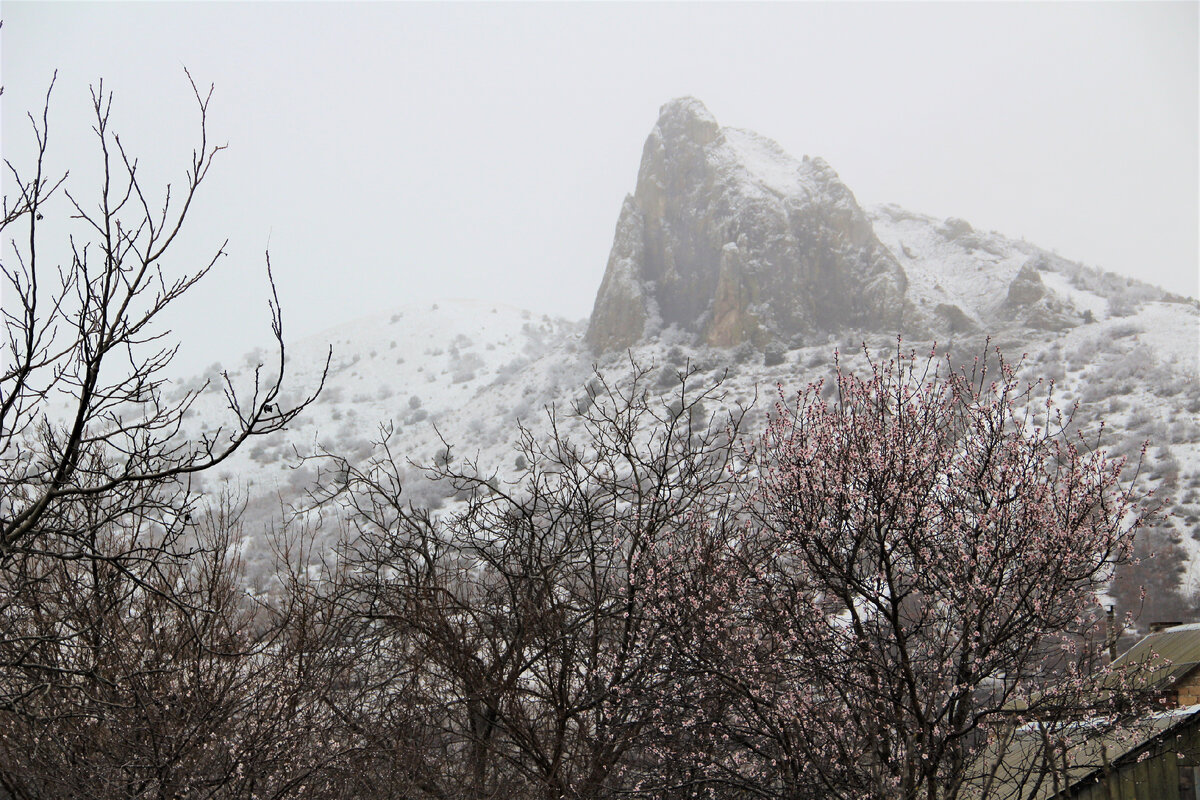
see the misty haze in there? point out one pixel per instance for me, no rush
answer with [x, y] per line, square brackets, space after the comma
[667, 401]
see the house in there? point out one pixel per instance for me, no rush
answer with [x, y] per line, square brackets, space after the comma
[1160, 761]
[1171, 654]
[1154, 756]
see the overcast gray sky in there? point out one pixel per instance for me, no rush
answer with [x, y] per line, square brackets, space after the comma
[399, 153]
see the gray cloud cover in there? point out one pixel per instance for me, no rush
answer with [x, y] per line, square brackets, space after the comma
[397, 153]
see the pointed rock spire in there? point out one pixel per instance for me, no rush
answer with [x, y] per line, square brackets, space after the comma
[729, 237]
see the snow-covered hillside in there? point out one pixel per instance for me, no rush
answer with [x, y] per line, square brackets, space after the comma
[464, 368]
[737, 260]
[465, 372]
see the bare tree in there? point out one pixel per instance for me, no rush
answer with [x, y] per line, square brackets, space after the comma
[97, 509]
[89, 334]
[518, 628]
[178, 682]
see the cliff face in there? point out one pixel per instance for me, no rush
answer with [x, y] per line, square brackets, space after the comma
[729, 237]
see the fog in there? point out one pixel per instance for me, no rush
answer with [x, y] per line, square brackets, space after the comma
[389, 154]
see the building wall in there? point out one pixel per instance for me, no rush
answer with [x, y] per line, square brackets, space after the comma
[1169, 771]
[1188, 689]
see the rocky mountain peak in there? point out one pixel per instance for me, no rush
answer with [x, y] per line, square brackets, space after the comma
[686, 119]
[730, 238]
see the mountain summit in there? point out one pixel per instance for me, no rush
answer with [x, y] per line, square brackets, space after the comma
[729, 237]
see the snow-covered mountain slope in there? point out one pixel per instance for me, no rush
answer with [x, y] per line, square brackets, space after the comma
[733, 258]
[464, 373]
[948, 263]
[991, 283]
[463, 367]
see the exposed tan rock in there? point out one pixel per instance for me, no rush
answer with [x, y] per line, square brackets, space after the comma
[729, 237]
[1030, 303]
[1026, 288]
[619, 316]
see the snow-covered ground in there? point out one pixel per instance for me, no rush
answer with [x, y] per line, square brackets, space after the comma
[465, 372]
[1172, 330]
[966, 269]
[465, 367]
[1080, 298]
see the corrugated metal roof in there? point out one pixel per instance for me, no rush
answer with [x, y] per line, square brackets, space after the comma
[1009, 766]
[1154, 664]
[1168, 655]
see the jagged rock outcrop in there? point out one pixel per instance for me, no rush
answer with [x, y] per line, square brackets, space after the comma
[1029, 303]
[729, 237]
[1026, 289]
[732, 239]
[954, 319]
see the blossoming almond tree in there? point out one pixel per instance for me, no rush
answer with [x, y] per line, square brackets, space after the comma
[920, 561]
